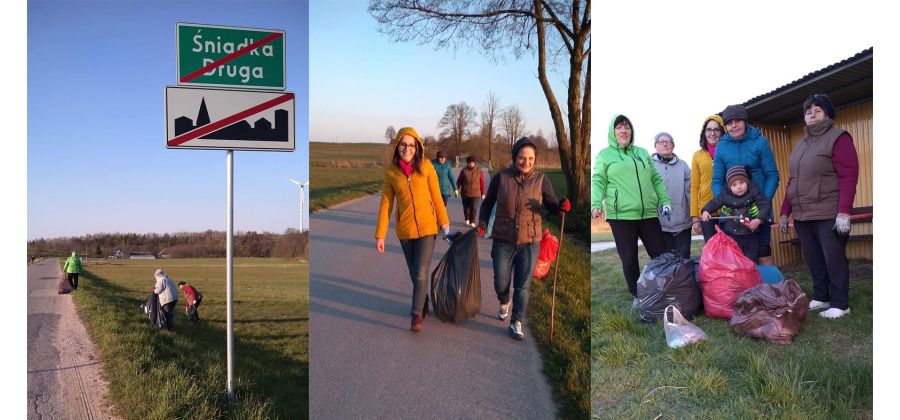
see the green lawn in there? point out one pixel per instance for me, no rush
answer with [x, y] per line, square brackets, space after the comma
[602, 237]
[343, 171]
[825, 373]
[566, 360]
[163, 375]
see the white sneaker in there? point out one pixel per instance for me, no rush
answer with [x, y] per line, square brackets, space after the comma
[636, 303]
[503, 313]
[515, 330]
[834, 313]
[815, 304]
[467, 222]
[473, 225]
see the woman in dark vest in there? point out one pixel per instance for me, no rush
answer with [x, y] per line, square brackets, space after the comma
[470, 185]
[819, 196]
[521, 195]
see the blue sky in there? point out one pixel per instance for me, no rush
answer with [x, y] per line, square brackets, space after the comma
[97, 161]
[363, 82]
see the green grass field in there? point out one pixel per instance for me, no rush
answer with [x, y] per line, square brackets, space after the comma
[343, 171]
[825, 373]
[602, 237]
[566, 359]
[158, 374]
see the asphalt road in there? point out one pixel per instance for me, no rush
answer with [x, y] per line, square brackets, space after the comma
[364, 361]
[63, 369]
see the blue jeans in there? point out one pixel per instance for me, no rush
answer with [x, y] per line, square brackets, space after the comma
[514, 264]
[418, 260]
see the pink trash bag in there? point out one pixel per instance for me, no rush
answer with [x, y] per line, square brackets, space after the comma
[63, 287]
[725, 273]
[549, 248]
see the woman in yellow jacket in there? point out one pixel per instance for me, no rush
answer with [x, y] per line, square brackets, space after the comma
[701, 174]
[411, 180]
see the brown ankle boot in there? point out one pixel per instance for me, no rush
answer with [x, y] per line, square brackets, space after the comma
[417, 324]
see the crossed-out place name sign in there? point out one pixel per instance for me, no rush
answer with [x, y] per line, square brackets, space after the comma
[225, 56]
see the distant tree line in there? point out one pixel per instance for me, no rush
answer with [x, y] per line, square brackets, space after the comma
[210, 244]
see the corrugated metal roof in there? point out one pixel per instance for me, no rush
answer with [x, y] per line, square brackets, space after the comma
[846, 82]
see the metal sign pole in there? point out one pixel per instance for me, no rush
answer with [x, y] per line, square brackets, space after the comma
[229, 272]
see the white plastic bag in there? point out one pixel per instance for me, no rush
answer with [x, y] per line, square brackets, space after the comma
[680, 331]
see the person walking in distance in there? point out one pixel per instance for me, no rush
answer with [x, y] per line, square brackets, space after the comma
[73, 269]
[470, 185]
[445, 175]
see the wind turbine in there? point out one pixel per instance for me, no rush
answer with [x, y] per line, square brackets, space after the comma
[302, 185]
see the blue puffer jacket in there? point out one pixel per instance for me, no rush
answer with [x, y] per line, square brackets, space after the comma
[751, 151]
[445, 176]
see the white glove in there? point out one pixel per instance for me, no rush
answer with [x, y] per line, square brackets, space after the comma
[842, 223]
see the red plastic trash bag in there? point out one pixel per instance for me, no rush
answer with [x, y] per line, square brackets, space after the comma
[725, 273]
[774, 312]
[456, 281]
[549, 248]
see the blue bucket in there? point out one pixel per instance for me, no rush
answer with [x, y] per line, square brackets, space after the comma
[770, 274]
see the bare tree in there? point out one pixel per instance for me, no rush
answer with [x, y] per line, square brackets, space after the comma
[457, 122]
[512, 124]
[489, 113]
[560, 32]
[390, 133]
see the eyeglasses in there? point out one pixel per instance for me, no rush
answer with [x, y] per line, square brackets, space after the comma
[664, 142]
[713, 131]
[406, 145]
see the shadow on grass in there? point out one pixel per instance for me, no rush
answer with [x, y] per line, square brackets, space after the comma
[159, 374]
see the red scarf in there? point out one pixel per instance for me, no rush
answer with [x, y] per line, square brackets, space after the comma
[406, 168]
[711, 148]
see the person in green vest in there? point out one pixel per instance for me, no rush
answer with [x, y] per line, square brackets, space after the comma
[72, 268]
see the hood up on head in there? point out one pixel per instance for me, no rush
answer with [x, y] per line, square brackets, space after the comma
[611, 137]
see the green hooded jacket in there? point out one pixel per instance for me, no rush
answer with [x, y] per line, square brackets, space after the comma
[625, 183]
[73, 264]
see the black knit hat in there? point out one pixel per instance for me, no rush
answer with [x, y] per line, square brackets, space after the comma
[734, 112]
[440, 154]
[736, 173]
[471, 159]
[822, 100]
[520, 143]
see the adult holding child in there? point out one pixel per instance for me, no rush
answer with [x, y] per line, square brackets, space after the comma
[626, 186]
[744, 145]
[824, 170]
[701, 173]
[676, 176]
[411, 181]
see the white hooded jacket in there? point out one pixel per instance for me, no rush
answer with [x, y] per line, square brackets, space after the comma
[165, 288]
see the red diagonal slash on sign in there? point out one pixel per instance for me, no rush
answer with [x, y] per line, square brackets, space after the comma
[209, 128]
[232, 56]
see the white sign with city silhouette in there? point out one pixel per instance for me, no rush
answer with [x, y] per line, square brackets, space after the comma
[203, 118]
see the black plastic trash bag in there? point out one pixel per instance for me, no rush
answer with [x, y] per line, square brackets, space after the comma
[154, 311]
[456, 281]
[668, 280]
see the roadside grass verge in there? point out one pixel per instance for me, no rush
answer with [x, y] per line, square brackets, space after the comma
[566, 359]
[825, 373]
[158, 374]
[602, 237]
[341, 171]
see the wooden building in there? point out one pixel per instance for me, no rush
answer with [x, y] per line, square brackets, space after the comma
[779, 115]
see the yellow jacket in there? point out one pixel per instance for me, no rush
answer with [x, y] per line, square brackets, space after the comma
[420, 207]
[701, 181]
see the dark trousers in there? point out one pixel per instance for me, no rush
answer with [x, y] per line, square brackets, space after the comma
[514, 264]
[749, 245]
[825, 254]
[708, 229]
[679, 242]
[167, 312]
[446, 198]
[765, 238]
[418, 260]
[470, 208]
[73, 279]
[626, 234]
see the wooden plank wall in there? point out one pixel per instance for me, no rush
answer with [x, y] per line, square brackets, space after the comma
[857, 120]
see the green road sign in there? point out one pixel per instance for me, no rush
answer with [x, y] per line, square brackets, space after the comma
[210, 55]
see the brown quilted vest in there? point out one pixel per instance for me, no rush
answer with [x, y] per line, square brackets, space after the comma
[471, 186]
[813, 189]
[519, 207]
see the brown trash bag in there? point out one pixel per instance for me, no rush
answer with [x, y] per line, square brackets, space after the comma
[774, 312]
[63, 287]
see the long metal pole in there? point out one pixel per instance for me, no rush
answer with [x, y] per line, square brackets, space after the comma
[229, 273]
